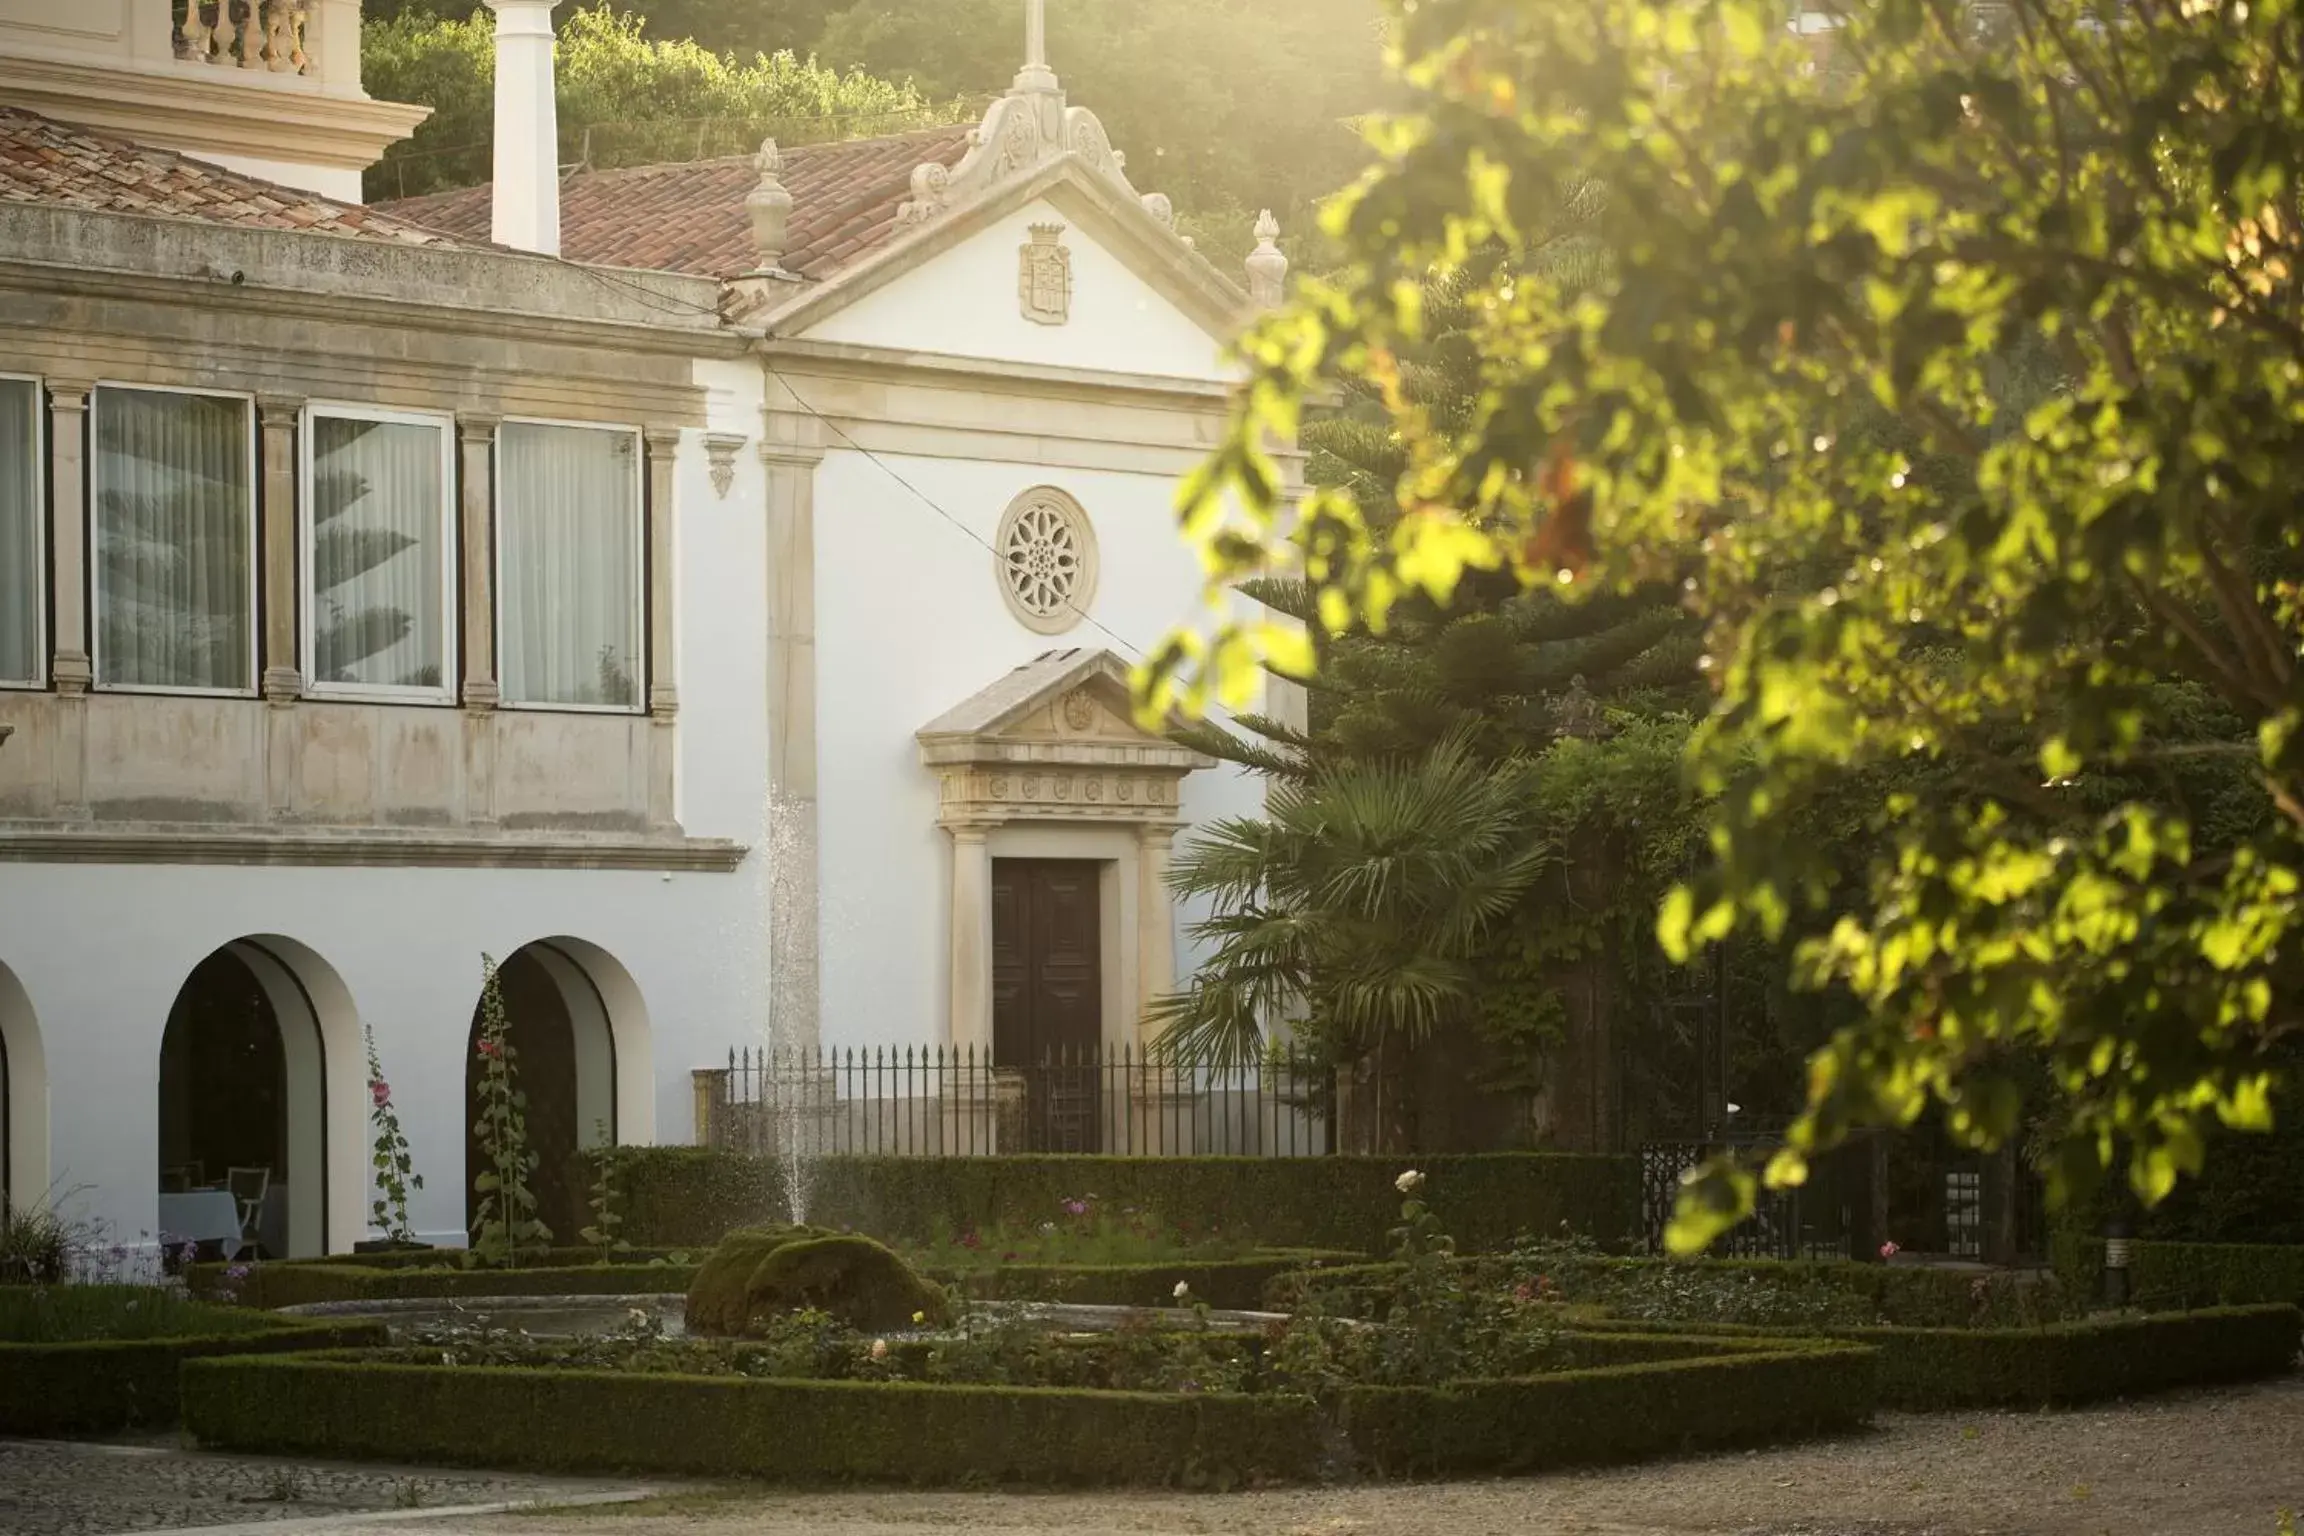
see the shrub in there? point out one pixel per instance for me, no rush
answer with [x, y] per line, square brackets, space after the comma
[1610, 1414]
[689, 1196]
[718, 1299]
[1926, 1368]
[295, 1285]
[852, 1279]
[72, 1314]
[96, 1386]
[2191, 1274]
[786, 1430]
[1816, 1294]
[1232, 1284]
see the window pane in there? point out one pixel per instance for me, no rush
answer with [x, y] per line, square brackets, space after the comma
[570, 566]
[20, 566]
[379, 616]
[175, 541]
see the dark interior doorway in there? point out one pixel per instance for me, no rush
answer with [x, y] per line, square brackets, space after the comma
[224, 1101]
[1048, 995]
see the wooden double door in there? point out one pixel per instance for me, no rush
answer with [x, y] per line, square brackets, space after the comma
[1048, 996]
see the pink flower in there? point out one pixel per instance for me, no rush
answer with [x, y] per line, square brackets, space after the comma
[491, 1049]
[1889, 1250]
[381, 1092]
[1075, 1207]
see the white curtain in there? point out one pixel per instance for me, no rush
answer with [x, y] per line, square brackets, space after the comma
[175, 541]
[379, 614]
[570, 568]
[20, 565]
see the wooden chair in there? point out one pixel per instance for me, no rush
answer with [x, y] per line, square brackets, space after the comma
[248, 1186]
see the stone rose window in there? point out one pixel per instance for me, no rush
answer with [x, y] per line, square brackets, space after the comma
[1046, 553]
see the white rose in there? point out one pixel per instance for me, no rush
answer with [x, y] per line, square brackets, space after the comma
[1183, 1289]
[879, 1349]
[1409, 1182]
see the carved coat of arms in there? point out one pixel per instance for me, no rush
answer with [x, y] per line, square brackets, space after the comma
[1044, 277]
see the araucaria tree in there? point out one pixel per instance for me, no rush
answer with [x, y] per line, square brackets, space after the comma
[2048, 610]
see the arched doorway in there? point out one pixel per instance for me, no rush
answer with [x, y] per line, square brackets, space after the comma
[23, 1100]
[244, 1103]
[576, 1029]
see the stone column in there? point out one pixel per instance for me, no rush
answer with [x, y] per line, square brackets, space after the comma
[971, 942]
[663, 573]
[276, 522]
[791, 448]
[1155, 920]
[663, 669]
[476, 566]
[69, 666]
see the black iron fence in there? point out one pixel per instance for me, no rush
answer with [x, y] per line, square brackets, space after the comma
[915, 1101]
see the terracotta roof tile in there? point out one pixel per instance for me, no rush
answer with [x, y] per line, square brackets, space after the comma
[44, 161]
[691, 218]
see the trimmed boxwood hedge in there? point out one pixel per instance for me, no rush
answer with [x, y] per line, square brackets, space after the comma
[101, 1385]
[558, 1420]
[2191, 1274]
[2063, 1363]
[1230, 1284]
[1616, 1413]
[1639, 1395]
[294, 1285]
[676, 1196]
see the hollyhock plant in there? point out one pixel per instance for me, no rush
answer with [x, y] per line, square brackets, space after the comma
[395, 1170]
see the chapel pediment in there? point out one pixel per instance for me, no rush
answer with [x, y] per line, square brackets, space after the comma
[1055, 739]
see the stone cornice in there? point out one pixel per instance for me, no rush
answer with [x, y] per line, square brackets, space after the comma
[298, 275]
[1149, 755]
[217, 112]
[352, 849]
[839, 359]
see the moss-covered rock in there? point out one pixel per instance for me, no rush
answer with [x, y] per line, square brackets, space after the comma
[765, 1272]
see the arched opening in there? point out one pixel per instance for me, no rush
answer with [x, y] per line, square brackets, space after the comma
[244, 1090]
[580, 1041]
[23, 1100]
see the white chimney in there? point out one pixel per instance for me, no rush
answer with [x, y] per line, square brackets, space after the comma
[527, 206]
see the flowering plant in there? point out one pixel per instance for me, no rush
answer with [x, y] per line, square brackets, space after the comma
[395, 1170]
[1889, 1250]
[508, 1226]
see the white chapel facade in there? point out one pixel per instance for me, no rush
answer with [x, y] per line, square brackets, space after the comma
[709, 590]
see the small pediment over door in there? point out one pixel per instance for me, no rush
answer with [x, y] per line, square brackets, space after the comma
[1055, 739]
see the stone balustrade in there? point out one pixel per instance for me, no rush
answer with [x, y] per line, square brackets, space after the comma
[249, 34]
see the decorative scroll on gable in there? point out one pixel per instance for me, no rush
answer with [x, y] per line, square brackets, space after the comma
[1022, 131]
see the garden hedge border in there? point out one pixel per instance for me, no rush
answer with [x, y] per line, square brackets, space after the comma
[805, 1431]
[1227, 1284]
[1675, 1393]
[276, 1285]
[100, 1385]
[2190, 1274]
[1932, 1369]
[691, 1197]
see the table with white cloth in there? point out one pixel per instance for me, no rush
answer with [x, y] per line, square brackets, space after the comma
[202, 1216]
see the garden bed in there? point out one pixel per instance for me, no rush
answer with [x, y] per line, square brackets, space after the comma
[1619, 1397]
[1693, 1293]
[276, 1285]
[94, 1359]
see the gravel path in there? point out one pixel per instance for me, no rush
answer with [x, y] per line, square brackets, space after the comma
[75, 1488]
[2220, 1463]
